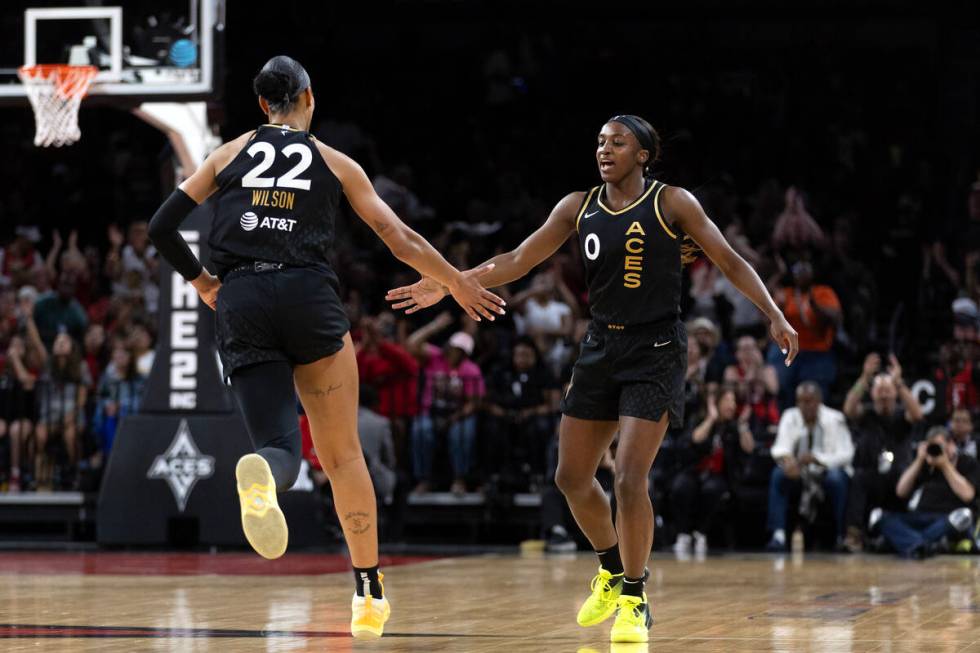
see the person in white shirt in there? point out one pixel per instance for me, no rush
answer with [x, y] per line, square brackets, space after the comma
[813, 442]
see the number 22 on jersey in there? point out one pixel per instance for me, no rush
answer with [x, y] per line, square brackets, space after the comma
[254, 179]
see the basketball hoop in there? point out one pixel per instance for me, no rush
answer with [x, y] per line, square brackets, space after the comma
[56, 92]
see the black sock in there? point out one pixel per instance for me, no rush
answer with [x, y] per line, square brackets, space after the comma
[366, 581]
[634, 586]
[610, 561]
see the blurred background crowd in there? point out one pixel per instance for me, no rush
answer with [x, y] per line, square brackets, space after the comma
[867, 233]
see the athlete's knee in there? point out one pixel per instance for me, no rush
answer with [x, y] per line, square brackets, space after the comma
[333, 463]
[631, 486]
[572, 482]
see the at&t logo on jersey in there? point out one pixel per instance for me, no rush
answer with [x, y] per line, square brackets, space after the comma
[250, 221]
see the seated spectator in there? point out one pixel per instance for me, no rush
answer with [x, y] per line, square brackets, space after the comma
[450, 397]
[883, 442]
[62, 393]
[961, 428]
[813, 449]
[377, 445]
[522, 400]
[814, 311]
[941, 486]
[119, 393]
[58, 311]
[718, 446]
[957, 377]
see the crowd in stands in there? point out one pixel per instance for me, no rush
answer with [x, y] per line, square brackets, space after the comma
[868, 244]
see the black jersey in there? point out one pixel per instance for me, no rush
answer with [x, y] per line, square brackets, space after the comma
[632, 259]
[277, 202]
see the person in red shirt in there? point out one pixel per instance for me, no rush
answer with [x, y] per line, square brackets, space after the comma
[388, 367]
[815, 312]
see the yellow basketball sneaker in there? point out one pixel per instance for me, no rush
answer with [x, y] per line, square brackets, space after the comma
[602, 603]
[262, 520]
[633, 620]
[368, 615]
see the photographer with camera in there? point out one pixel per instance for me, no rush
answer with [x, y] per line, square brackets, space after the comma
[941, 487]
[883, 442]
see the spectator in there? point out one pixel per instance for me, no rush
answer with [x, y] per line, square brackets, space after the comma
[714, 352]
[883, 446]
[377, 445]
[795, 228]
[451, 394]
[389, 368]
[957, 377]
[95, 352]
[20, 262]
[544, 317]
[119, 393]
[58, 311]
[813, 449]
[719, 445]
[133, 267]
[814, 311]
[961, 428]
[140, 341]
[522, 400]
[62, 393]
[755, 381]
[17, 402]
[941, 488]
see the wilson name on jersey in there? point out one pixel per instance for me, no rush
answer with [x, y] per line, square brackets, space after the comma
[632, 259]
[277, 201]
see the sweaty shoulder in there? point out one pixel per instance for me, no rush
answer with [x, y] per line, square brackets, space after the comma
[568, 207]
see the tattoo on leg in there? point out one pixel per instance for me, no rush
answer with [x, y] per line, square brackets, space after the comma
[320, 393]
[358, 522]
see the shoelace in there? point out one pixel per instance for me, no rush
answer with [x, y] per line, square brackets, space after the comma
[602, 578]
[635, 615]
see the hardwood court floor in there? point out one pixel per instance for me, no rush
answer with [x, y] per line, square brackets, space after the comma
[119, 602]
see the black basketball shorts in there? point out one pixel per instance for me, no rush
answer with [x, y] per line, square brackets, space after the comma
[291, 315]
[634, 371]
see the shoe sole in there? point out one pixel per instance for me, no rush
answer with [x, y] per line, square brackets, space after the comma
[630, 638]
[265, 529]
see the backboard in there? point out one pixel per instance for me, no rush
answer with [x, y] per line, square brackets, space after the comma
[146, 51]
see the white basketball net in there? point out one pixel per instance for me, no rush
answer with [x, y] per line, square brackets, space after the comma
[55, 92]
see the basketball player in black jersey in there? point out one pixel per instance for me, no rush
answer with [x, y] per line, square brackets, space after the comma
[629, 376]
[280, 323]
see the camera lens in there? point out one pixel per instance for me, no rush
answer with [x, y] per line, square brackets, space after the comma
[934, 450]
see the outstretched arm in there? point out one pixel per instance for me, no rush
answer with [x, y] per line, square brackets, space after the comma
[687, 214]
[507, 267]
[405, 244]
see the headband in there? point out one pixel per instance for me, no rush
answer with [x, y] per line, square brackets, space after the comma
[639, 130]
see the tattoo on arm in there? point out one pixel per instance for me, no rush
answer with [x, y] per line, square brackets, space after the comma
[380, 227]
[358, 523]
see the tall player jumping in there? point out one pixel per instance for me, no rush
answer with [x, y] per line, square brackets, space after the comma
[279, 321]
[629, 376]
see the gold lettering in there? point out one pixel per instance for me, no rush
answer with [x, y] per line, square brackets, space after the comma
[630, 246]
[635, 228]
[257, 197]
[631, 279]
[634, 263]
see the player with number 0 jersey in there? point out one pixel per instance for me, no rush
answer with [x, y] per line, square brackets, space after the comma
[629, 377]
[281, 327]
